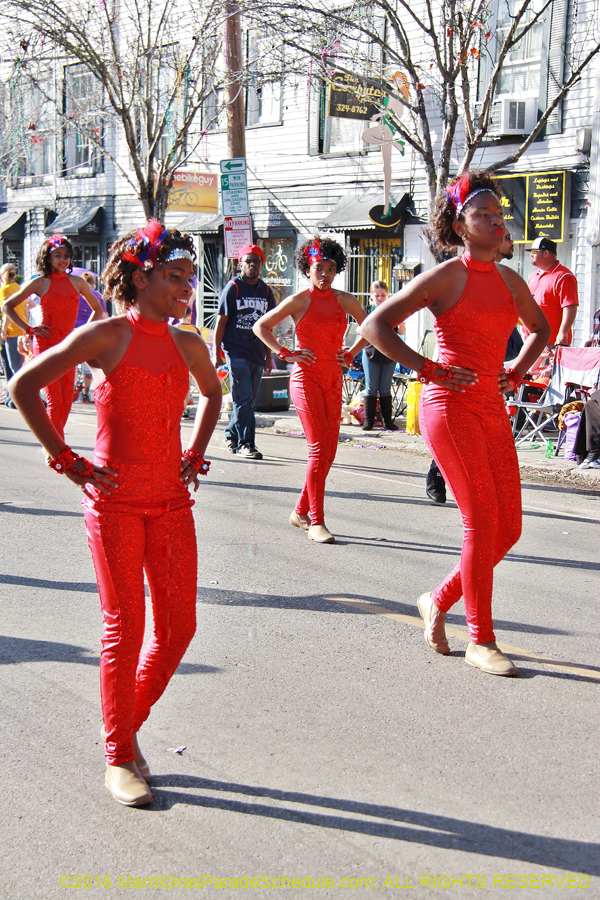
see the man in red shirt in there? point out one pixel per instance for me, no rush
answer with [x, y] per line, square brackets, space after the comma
[554, 288]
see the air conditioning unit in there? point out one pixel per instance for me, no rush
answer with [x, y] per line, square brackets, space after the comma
[509, 116]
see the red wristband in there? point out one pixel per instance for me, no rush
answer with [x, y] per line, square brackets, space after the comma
[428, 370]
[196, 462]
[63, 462]
[284, 354]
[348, 358]
[513, 377]
[29, 331]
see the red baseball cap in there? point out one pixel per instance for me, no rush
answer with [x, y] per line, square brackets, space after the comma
[251, 248]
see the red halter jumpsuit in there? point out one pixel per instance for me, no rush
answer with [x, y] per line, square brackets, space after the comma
[145, 525]
[470, 438]
[59, 307]
[317, 394]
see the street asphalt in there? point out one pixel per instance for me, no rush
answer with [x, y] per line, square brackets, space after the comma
[327, 748]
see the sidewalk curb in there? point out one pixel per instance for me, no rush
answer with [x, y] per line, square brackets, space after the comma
[534, 468]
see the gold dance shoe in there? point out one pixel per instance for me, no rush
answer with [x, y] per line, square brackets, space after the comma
[300, 521]
[435, 620]
[142, 766]
[127, 785]
[489, 659]
[320, 534]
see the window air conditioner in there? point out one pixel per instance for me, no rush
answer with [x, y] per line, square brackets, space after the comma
[509, 116]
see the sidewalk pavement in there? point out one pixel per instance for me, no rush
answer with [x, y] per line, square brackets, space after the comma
[532, 461]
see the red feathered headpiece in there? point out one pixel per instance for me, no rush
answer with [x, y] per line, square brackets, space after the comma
[152, 235]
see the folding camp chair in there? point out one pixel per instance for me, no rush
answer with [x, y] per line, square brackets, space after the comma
[575, 373]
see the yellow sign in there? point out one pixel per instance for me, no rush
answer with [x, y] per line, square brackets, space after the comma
[194, 192]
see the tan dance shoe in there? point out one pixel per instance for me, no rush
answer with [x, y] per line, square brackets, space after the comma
[489, 659]
[320, 534]
[127, 785]
[300, 521]
[435, 621]
[142, 766]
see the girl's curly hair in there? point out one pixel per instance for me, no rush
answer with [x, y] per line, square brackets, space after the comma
[42, 260]
[117, 275]
[444, 213]
[327, 248]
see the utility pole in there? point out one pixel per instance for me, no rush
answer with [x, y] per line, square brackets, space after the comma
[234, 91]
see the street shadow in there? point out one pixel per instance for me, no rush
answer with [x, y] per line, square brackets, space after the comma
[550, 489]
[86, 587]
[19, 650]
[15, 650]
[34, 511]
[415, 827]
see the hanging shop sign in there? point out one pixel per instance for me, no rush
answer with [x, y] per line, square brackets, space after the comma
[194, 192]
[238, 234]
[351, 99]
[535, 204]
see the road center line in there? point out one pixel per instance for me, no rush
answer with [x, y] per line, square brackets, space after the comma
[462, 635]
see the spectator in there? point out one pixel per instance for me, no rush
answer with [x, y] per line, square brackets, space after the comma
[10, 331]
[379, 371]
[244, 300]
[554, 288]
[83, 316]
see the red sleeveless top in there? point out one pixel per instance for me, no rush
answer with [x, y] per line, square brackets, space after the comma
[322, 329]
[59, 306]
[139, 406]
[475, 332]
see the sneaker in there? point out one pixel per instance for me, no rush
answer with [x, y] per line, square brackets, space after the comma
[592, 460]
[435, 487]
[231, 445]
[85, 397]
[249, 452]
[185, 414]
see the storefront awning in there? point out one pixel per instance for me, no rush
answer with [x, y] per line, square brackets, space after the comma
[200, 223]
[78, 221]
[12, 226]
[350, 213]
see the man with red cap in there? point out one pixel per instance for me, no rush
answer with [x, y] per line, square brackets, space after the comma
[554, 288]
[244, 300]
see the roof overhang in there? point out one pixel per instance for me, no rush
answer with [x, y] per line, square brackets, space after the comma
[78, 221]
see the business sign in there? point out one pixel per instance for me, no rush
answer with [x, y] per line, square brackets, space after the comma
[194, 192]
[238, 234]
[350, 99]
[534, 205]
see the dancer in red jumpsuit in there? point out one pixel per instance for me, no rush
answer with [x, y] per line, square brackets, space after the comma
[319, 314]
[59, 300]
[137, 500]
[476, 304]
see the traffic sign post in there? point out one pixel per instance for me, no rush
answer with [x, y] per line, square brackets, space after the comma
[234, 188]
[238, 234]
[233, 165]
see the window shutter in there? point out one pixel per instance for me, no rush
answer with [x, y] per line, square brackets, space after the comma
[315, 142]
[553, 62]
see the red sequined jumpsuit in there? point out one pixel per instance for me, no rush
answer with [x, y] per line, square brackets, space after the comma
[470, 438]
[146, 525]
[317, 394]
[59, 307]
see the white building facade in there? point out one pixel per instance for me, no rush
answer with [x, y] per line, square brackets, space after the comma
[310, 172]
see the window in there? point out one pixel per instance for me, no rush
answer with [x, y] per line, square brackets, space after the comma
[263, 97]
[533, 70]
[87, 256]
[83, 133]
[213, 111]
[520, 73]
[26, 126]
